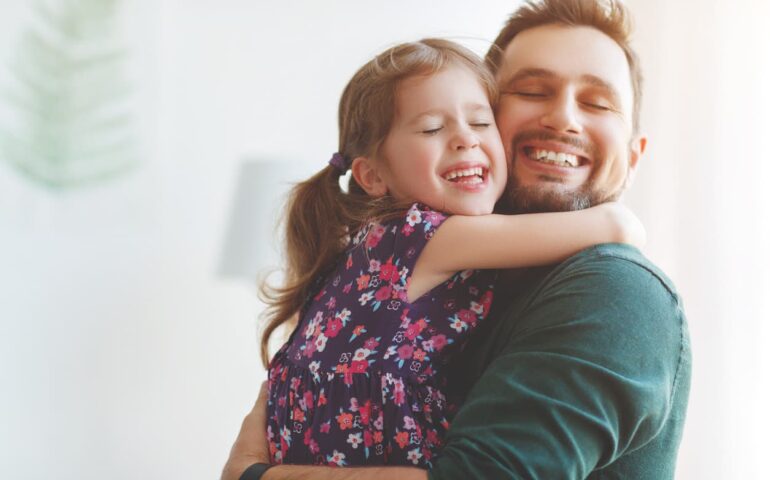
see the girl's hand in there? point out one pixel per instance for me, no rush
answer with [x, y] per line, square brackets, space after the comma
[629, 228]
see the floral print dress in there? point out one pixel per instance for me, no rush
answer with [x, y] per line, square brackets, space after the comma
[361, 380]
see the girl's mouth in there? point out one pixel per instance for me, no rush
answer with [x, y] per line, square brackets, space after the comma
[467, 176]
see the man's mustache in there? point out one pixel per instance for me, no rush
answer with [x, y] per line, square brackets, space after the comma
[545, 136]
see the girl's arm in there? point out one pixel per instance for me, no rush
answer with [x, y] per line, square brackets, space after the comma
[510, 241]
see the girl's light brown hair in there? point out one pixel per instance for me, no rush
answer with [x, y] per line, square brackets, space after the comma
[320, 217]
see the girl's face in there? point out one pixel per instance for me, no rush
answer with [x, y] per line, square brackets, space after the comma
[443, 149]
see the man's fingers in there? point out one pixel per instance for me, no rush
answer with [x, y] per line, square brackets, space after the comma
[261, 403]
[254, 424]
[256, 420]
[251, 445]
[260, 420]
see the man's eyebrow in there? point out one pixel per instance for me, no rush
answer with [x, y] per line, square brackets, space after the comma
[525, 73]
[602, 84]
[593, 80]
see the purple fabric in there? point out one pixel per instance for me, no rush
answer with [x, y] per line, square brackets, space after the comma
[361, 380]
[339, 162]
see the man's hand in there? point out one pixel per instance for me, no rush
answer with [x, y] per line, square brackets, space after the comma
[251, 445]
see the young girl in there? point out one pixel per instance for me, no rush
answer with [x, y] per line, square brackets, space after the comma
[388, 279]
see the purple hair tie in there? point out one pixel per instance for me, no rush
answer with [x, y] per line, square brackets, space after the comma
[339, 162]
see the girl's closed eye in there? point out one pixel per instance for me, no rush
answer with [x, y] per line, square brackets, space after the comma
[529, 94]
[431, 130]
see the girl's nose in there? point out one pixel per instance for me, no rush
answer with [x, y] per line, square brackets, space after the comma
[464, 138]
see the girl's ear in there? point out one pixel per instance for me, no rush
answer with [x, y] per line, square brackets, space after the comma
[367, 175]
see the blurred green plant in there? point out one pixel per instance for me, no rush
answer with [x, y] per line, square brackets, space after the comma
[69, 98]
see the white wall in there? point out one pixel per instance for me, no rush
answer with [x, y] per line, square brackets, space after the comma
[123, 353]
[703, 192]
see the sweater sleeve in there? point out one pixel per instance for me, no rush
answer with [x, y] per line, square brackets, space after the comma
[585, 376]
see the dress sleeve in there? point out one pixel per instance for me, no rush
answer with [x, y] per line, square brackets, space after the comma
[595, 367]
[399, 243]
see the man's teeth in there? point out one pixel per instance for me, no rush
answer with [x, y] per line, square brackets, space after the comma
[475, 173]
[555, 158]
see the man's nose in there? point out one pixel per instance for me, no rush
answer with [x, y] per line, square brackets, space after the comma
[563, 115]
[464, 138]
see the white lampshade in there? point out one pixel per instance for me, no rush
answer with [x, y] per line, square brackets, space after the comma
[252, 241]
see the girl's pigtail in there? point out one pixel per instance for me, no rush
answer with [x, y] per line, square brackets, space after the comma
[316, 232]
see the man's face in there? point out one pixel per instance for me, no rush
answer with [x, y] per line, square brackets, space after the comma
[565, 118]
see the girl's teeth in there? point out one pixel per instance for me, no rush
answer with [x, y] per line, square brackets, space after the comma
[476, 172]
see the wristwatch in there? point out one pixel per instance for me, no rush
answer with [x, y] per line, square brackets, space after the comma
[255, 471]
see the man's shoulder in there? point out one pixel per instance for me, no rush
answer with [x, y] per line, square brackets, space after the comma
[610, 286]
[602, 334]
[612, 264]
[608, 303]
[615, 282]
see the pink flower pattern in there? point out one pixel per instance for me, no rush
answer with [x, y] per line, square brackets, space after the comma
[362, 379]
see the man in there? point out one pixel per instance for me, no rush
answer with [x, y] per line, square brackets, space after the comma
[583, 369]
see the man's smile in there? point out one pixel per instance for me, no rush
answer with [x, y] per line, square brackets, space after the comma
[552, 159]
[550, 156]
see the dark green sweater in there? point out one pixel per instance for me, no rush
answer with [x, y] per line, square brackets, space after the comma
[583, 371]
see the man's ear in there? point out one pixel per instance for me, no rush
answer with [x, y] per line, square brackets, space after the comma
[367, 175]
[637, 147]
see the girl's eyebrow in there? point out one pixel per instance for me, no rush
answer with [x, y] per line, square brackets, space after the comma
[475, 107]
[437, 112]
[427, 113]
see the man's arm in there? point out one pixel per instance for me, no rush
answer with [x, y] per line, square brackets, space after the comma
[299, 472]
[586, 375]
[250, 446]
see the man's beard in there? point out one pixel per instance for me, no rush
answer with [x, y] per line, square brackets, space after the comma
[545, 198]
[550, 196]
